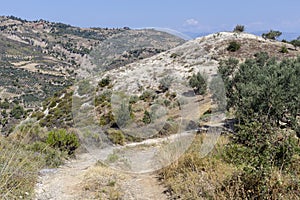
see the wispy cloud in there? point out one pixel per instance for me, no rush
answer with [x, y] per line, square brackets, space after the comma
[193, 25]
[191, 22]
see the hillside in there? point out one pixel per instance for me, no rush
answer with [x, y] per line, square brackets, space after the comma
[202, 54]
[127, 99]
[40, 58]
[139, 85]
[139, 142]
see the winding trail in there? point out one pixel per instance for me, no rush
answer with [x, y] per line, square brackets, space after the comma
[65, 182]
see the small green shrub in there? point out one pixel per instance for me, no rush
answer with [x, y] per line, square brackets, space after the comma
[4, 104]
[104, 82]
[174, 55]
[198, 83]
[272, 35]
[63, 140]
[107, 119]
[167, 102]
[4, 113]
[103, 97]
[165, 83]
[147, 95]
[17, 112]
[38, 115]
[239, 28]
[233, 46]
[146, 117]
[133, 99]
[283, 49]
[52, 157]
[116, 136]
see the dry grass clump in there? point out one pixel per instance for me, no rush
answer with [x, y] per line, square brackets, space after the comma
[101, 182]
[214, 177]
[22, 155]
[193, 177]
[18, 170]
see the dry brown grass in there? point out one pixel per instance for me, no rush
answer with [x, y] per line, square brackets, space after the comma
[18, 170]
[193, 177]
[101, 182]
[211, 177]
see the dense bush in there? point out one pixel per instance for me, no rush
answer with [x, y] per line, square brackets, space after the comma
[52, 157]
[4, 104]
[146, 117]
[17, 112]
[264, 95]
[233, 46]
[198, 83]
[264, 91]
[23, 154]
[104, 82]
[261, 159]
[63, 140]
[116, 136]
[296, 42]
[272, 35]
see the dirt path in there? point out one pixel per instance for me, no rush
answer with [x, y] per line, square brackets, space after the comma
[66, 182]
[61, 183]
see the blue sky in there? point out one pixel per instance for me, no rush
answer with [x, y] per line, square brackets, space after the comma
[181, 15]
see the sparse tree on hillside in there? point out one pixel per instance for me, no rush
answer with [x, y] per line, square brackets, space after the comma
[272, 35]
[296, 42]
[239, 28]
[198, 83]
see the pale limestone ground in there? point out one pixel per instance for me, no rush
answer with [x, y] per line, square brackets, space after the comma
[68, 182]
